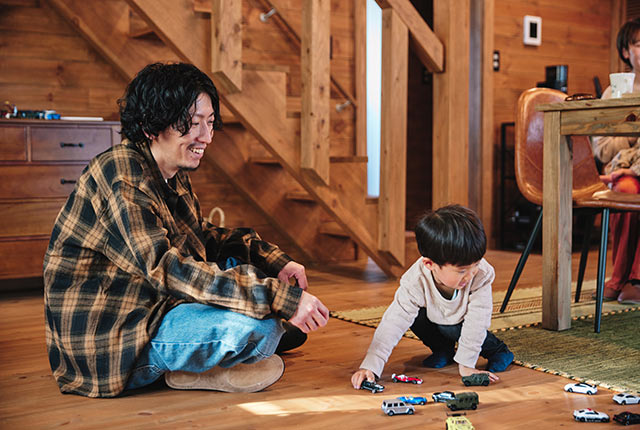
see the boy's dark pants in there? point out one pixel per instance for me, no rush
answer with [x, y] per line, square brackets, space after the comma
[442, 338]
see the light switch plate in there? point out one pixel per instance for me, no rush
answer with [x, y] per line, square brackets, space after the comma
[532, 27]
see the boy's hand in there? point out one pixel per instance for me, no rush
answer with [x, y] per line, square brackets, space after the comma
[360, 376]
[467, 371]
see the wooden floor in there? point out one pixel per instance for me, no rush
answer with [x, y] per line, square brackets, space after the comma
[314, 392]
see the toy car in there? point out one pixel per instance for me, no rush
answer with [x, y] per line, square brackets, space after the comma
[476, 379]
[626, 418]
[371, 386]
[589, 415]
[395, 406]
[468, 400]
[405, 378]
[443, 396]
[413, 400]
[457, 422]
[626, 399]
[581, 387]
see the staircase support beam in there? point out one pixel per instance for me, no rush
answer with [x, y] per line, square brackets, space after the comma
[451, 102]
[393, 137]
[226, 43]
[316, 88]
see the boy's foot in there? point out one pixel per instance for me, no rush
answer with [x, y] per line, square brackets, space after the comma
[292, 338]
[438, 359]
[242, 378]
[499, 361]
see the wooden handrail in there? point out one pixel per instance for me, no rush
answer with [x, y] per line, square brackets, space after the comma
[425, 43]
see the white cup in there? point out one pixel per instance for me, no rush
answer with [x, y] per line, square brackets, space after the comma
[621, 83]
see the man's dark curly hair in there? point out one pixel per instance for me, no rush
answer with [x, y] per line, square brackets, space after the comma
[626, 36]
[161, 96]
[451, 235]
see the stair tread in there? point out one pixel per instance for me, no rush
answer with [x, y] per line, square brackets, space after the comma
[264, 160]
[332, 228]
[300, 195]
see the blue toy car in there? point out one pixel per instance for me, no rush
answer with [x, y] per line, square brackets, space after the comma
[413, 400]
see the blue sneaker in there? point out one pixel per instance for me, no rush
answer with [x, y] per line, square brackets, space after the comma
[499, 361]
[438, 359]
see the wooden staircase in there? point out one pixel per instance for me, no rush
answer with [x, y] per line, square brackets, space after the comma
[259, 150]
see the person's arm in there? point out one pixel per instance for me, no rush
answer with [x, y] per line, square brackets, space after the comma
[396, 320]
[476, 322]
[135, 223]
[606, 147]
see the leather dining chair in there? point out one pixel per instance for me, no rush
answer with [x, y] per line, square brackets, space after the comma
[588, 192]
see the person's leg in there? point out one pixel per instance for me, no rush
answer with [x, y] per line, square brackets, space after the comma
[631, 290]
[619, 226]
[625, 233]
[493, 349]
[442, 348]
[195, 338]
[497, 353]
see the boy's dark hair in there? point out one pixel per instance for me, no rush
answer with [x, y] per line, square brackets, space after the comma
[451, 235]
[160, 96]
[626, 36]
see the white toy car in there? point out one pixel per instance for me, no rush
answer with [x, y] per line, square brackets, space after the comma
[581, 387]
[626, 399]
[589, 415]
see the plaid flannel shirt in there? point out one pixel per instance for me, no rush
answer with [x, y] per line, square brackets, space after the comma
[126, 248]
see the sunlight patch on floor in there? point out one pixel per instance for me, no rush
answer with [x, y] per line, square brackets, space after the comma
[286, 407]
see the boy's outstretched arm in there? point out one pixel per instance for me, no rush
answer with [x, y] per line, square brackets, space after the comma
[466, 371]
[360, 376]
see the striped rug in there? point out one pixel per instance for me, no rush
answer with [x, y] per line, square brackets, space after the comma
[610, 359]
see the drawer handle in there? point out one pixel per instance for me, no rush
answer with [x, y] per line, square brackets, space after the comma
[64, 181]
[72, 145]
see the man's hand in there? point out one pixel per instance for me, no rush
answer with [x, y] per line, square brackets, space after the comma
[294, 270]
[467, 371]
[311, 313]
[360, 376]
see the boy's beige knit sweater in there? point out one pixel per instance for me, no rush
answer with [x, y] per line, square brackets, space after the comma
[472, 306]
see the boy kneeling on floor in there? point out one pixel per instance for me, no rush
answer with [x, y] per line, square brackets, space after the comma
[444, 297]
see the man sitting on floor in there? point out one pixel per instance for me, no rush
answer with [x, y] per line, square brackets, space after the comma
[138, 285]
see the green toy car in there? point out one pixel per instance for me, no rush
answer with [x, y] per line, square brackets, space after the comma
[476, 379]
[466, 400]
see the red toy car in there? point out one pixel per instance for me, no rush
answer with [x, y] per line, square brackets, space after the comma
[405, 378]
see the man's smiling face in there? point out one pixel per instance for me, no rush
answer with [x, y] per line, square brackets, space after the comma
[173, 152]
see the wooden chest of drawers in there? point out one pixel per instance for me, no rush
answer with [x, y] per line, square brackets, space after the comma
[40, 162]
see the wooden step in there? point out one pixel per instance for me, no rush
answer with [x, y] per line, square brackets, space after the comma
[332, 228]
[266, 161]
[370, 200]
[267, 67]
[300, 196]
[349, 159]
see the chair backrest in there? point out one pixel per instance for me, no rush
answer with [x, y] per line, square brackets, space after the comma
[529, 138]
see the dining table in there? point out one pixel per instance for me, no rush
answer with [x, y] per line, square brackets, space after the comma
[594, 117]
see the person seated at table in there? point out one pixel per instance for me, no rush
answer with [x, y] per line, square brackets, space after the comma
[621, 156]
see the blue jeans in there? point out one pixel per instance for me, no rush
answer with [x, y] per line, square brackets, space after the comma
[193, 337]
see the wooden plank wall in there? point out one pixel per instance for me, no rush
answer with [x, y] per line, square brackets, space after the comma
[45, 64]
[574, 32]
[566, 39]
